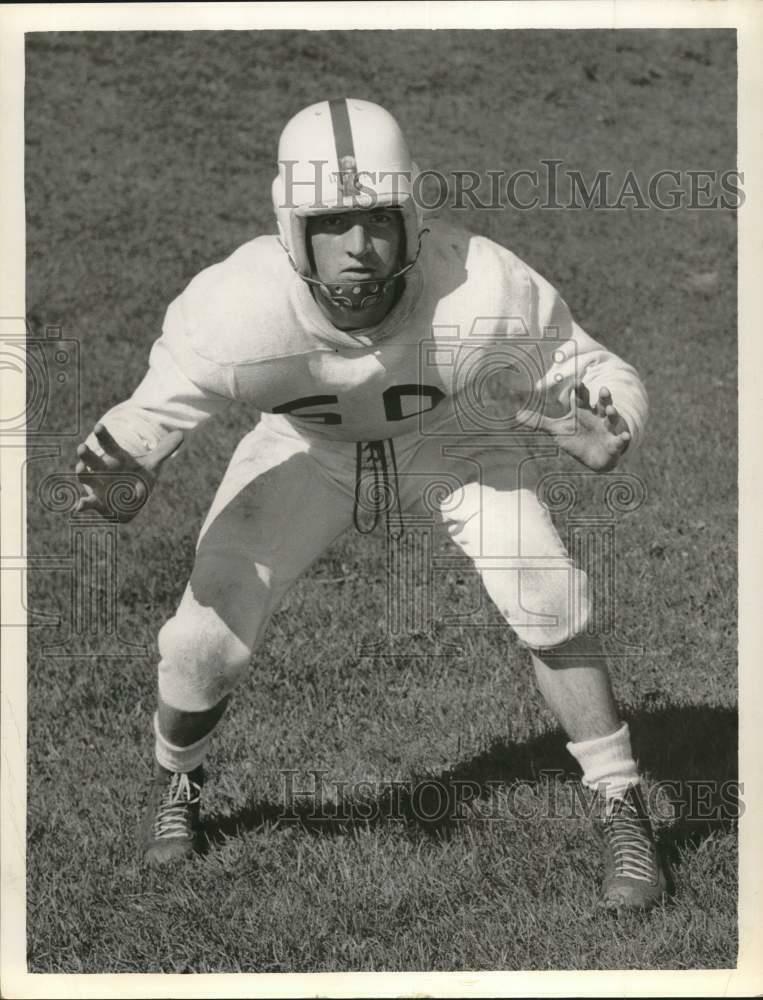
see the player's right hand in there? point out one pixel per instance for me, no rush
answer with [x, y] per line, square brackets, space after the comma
[99, 474]
[596, 434]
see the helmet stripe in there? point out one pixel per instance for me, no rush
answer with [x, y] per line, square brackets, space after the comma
[340, 122]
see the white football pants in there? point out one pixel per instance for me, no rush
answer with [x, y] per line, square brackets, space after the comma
[284, 498]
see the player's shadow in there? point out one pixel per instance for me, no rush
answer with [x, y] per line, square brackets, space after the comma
[691, 751]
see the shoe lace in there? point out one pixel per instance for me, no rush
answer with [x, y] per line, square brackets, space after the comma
[632, 848]
[173, 816]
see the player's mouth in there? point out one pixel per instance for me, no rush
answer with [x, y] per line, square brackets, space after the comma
[359, 272]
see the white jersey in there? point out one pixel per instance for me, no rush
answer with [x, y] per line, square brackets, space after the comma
[476, 333]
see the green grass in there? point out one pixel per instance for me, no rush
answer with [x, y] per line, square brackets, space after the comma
[149, 157]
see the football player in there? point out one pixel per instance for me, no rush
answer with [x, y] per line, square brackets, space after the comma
[383, 356]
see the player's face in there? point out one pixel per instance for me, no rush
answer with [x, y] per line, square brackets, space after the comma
[356, 246]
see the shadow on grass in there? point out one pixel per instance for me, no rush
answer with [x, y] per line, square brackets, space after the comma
[691, 751]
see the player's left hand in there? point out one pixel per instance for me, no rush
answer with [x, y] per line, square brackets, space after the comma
[594, 433]
[97, 473]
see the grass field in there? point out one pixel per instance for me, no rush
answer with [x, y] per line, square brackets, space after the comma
[149, 157]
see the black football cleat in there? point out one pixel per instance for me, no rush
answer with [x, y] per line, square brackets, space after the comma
[634, 876]
[170, 826]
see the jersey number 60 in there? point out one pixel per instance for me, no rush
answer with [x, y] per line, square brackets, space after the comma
[400, 403]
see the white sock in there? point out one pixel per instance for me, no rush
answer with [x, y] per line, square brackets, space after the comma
[179, 758]
[607, 762]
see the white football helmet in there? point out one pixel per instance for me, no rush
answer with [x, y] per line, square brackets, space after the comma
[339, 156]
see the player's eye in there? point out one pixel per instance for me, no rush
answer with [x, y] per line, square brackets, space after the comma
[382, 218]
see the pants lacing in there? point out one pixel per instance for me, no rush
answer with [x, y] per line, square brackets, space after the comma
[382, 494]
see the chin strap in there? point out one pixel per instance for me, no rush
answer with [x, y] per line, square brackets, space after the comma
[357, 295]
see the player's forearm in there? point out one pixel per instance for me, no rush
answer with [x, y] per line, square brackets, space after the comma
[130, 428]
[140, 430]
[165, 401]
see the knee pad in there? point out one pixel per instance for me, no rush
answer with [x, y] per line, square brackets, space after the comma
[545, 607]
[201, 662]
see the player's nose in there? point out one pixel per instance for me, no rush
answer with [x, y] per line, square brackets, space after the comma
[356, 239]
